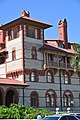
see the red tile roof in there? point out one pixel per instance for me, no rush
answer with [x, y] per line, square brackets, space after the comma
[49, 47]
[54, 45]
[6, 81]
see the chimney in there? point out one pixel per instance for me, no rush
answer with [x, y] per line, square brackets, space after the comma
[62, 32]
[25, 13]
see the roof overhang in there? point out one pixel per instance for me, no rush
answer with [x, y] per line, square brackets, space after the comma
[26, 21]
[12, 82]
[48, 47]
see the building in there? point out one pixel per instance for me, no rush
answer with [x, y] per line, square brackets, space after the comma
[37, 72]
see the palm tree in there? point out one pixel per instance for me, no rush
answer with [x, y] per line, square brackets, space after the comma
[76, 58]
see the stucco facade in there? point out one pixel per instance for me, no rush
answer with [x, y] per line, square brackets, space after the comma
[34, 71]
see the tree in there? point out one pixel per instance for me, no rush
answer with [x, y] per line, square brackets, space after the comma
[76, 58]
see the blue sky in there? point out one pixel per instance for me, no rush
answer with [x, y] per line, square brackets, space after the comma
[50, 11]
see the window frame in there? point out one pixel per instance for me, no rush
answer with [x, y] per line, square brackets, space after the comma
[67, 78]
[50, 94]
[13, 55]
[31, 32]
[12, 34]
[50, 77]
[67, 98]
[34, 98]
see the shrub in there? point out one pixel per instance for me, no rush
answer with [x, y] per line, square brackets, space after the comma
[18, 111]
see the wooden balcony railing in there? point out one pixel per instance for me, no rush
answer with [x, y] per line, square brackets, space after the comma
[57, 64]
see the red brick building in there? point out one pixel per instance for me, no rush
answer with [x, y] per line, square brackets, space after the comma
[34, 71]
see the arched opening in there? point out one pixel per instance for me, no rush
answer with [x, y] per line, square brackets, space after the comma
[11, 96]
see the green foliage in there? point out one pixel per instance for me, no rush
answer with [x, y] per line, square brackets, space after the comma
[76, 58]
[76, 47]
[18, 111]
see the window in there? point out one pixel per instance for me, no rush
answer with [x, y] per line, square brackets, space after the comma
[13, 33]
[31, 32]
[34, 53]
[34, 97]
[72, 118]
[67, 78]
[68, 99]
[49, 76]
[13, 55]
[50, 57]
[33, 76]
[63, 118]
[50, 98]
[38, 34]
[2, 59]
[34, 32]
[10, 34]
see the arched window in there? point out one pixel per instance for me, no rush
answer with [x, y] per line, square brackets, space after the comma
[49, 76]
[34, 97]
[66, 77]
[68, 98]
[50, 98]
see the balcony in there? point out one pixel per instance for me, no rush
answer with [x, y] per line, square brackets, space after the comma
[62, 65]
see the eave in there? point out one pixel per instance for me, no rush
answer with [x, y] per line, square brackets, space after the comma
[26, 21]
[12, 82]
